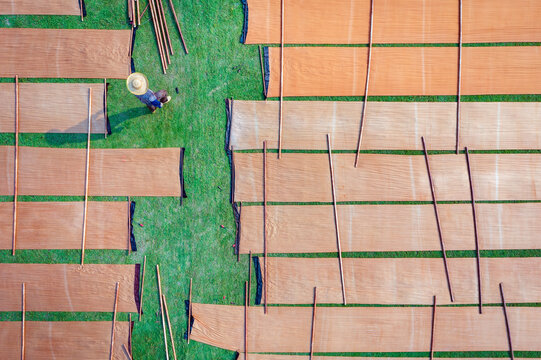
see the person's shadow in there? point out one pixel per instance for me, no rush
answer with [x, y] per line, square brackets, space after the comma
[74, 134]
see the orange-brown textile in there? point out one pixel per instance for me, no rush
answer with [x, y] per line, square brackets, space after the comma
[65, 53]
[59, 225]
[69, 287]
[299, 177]
[33, 7]
[394, 281]
[63, 340]
[386, 125]
[311, 228]
[341, 71]
[52, 108]
[366, 329]
[120, 172]
[395, 21]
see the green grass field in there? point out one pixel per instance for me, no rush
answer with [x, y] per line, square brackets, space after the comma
[186, 241]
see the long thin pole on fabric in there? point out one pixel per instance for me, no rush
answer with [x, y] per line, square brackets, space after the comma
[161, 309]
[312, 337]
[365, 101]
[126, 352]
[105, 107]
[245, 320]
[280, 110]
[459, 83]
[434, 201]
[265, 245]
[23, 329]
[337, 227]
[112, 350]
[16, 175]
[432, 332]
[189, 309]
[142, 288]
[85, 209]
[508, 329]
[129, 225]
[477, 250]
[169, 327]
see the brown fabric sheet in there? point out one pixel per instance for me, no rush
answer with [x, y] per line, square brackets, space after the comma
[65, 53]
[395, 21]
[366, 329]
[394, 281]
[387, 125]
[63, 340]
[69, 287]
[33, 7]
[59, 225]
[341, 71]
[52, 108]
[299, 177]
[120, 172]
[310, 228]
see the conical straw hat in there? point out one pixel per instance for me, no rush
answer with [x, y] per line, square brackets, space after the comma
[137, 83]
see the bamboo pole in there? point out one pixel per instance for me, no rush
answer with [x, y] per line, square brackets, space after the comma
[169, 326]
[129, 226]
[138, 13]
[312, 337]
[144, 11]
[112, 350]
[164, 31]
[337, 227]
[164, 21]
[507, 327]
[126, 352]
[189, 309]
[134, 13]
[249, 276]
[158, 36]
[178, 26]
[105, 107]
[280, 110]
[246, 320]
[161, 310]
[81, 9]
[130, 20]
[142, 288]
[16, 177]
[433, 328]
[23, 329]
[265, 245]
[85, 209]
[365, 100]
[459, 84]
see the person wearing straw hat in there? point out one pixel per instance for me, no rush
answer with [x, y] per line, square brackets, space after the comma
[137, 84]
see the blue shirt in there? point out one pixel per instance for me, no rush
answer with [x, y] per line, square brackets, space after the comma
[149, 98]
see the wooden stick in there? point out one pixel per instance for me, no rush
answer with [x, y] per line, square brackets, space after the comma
[262, 73]
[81, 9]
[459, 84]
[477, 250]
[365, 100]
[161, 309]
[138, 13]
[434, 201]
[129, 333]
[280, 110]
[265, 245]
[169, 326]
[249, 276]
[112, 351]
[189, 309]
[433, 328]
[337, 227]
[178, 26]
[129, 12]
[129, 226]
[126, 352]
[23, 330]
[312, 337]
[165, 31]
[165, 45]
[504, 305]
[158, 36]
[134, 13]
[105, 107]
[144, 11]
[16, 179]
[142, 288]
[87, 170]
[246, 320]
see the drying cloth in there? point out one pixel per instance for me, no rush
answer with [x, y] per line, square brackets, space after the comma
[52, 108]
[341, 71]
[59, 225]
[65, 53]
[386, 126]
[311, 228]
[60, 340]
[32, 7]
[299, 177]
[396, 281]
[69, 287]
[113, 172]
[366, 329]
[395, 21]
